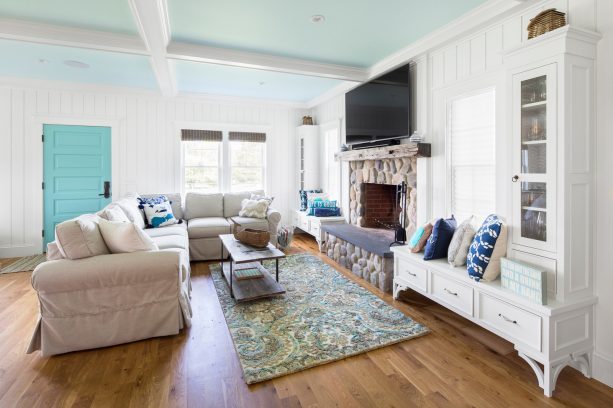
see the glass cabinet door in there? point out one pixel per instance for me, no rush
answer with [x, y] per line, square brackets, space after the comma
[534, 179]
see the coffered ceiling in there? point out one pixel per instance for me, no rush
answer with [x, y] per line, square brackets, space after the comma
[268, 49]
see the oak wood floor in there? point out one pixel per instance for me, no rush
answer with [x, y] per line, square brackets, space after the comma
[458, 364]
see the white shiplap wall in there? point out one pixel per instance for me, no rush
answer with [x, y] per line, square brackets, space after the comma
[145, 146]
[474, 61]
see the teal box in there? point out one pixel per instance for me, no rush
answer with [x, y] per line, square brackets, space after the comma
[526, 280]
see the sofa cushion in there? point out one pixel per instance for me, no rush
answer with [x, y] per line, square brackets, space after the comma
[232, 202]
[171, 241]
[122, 237]
[209, 227]
[176, 229]
[113, 212]
[199, 205]
[159, 215]
[438, 242]
[254, 208]
[175, 202]
[80, 237]
[488, 246]
[247, 222]
[129, 205]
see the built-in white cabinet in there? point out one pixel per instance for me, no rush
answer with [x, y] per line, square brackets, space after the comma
[308, 157]
[551, 103]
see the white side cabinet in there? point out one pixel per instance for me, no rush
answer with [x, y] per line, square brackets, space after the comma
[555, 335]
[312, 225]
[308, 157]
[551, 108]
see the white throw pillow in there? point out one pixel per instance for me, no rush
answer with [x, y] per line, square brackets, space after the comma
[129, 205]
[254, 208]
[80, 237]
[122, 237]
[262, 197]
[53, 252]
[458, 247]
[114, 213]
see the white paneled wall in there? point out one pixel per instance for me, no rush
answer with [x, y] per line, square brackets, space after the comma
[145, 147]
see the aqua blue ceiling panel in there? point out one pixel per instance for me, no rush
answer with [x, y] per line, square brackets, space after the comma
[355, 32]
[38, 61]
[251, 83]
[105, 15]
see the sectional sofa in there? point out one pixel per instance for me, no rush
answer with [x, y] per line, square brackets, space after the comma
[108, 299]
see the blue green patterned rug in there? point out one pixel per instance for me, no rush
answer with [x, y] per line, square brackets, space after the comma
[323, 317]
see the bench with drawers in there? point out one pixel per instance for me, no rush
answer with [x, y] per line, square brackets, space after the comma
[555, 335]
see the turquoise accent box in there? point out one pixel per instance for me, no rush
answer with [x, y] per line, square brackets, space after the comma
[525, 280]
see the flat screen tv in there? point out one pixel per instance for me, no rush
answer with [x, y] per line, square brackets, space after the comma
[378, 111]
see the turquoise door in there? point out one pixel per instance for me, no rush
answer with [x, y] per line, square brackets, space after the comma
[77, 173]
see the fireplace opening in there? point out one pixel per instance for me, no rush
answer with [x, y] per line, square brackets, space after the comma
[381, 206]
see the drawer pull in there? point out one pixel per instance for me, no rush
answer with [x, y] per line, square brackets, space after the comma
[412, 274]
[507, 319]
[450, 292]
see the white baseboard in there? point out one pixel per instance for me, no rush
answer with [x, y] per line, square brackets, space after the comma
[17, 251]
[602, 369]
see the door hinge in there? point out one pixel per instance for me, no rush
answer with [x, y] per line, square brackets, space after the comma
[43, 233]
[43, 185]
[42, 138]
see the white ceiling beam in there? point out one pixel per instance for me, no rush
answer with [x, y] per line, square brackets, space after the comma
[151, 18]
[224, 56]
[20, 30]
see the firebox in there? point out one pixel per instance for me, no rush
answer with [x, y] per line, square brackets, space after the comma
[381, 206]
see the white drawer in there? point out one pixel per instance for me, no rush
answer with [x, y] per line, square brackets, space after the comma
[296, 220]
[453, 293]
[517, 324]
[314, 229]
[412, 274]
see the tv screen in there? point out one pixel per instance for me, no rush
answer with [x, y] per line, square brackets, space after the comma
[379, 110]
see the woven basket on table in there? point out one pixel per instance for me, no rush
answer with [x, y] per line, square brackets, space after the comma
[251, 237]
[545, 21]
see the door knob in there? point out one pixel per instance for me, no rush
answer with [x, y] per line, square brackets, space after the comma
[107, 189]
[515, 178]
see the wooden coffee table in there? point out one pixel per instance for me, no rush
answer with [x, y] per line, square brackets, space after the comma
[245, 256]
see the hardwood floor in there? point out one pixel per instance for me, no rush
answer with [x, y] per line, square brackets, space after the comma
[458, 364]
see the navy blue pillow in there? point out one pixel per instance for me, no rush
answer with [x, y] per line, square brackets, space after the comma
[439, 240]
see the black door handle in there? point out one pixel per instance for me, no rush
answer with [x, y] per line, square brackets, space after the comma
[107, 189]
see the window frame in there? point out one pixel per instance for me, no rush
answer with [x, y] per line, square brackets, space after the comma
[229, 161]
[449, 154]
[224, 175]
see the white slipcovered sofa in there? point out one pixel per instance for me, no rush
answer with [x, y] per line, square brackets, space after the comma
[109, 299]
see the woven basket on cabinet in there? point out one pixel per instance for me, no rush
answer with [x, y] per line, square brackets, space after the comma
[545, 21]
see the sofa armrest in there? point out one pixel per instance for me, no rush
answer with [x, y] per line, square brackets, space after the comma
[105, 271]
[274, 218]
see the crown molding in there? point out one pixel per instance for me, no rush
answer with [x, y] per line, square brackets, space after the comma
[245, 59]
[151, 18]
[20, 30]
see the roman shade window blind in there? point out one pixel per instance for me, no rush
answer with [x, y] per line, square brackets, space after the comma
[198, 135]
[247, 137]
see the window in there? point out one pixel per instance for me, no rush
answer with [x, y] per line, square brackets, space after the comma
[219, 161]
[472, 134]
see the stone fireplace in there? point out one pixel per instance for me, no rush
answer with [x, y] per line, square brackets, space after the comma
[374, 210]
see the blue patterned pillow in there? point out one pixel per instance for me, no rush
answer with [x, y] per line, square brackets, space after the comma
[159, 215]
[319, 203]
[439, 240]
[304, 197]
[142, 201]
[482, 248]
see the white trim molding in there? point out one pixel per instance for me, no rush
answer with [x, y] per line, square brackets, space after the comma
[151, 18]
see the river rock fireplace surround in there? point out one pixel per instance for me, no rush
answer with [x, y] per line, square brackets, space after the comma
[362, 246]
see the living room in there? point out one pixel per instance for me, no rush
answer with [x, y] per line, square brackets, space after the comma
[323, 204]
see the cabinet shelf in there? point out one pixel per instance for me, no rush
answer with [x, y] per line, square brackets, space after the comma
[533, 104]
[534, 142]
[528, 208]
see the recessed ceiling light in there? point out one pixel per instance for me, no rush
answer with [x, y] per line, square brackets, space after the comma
[76, 64]
[317, 18]
[261, 83]
[43, 61]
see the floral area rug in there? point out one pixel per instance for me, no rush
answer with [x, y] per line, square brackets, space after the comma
[323, 317]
